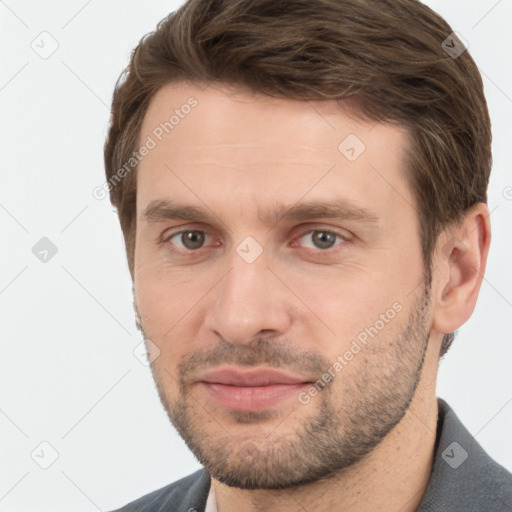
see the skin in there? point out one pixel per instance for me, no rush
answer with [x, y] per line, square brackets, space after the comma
[366, 441]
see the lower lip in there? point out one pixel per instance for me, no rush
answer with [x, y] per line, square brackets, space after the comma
[251, 398]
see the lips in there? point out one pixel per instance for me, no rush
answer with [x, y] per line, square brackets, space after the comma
[250, 390]
[255, 377]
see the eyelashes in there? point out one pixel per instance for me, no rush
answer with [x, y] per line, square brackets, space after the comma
[330, 235]
[194, 240]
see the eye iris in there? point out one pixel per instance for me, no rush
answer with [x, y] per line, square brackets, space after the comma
[324, 240]
[192, 239]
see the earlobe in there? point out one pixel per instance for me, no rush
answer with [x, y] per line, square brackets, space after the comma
[463, 258]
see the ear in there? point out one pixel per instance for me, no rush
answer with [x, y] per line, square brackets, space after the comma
[459, 268]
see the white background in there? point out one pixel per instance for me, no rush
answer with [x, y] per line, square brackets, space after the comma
[68, 375]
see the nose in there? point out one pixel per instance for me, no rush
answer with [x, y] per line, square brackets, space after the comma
[250, 301]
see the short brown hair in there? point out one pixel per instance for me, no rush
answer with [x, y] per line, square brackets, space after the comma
[386, 54]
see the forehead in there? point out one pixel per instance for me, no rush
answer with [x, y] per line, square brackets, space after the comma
[217, 143]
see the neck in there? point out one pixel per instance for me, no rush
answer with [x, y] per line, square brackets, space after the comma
[394, 476]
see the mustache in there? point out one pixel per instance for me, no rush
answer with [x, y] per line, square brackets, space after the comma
[262, 351]
[278, 354]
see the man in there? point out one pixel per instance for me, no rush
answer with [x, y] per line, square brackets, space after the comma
[302, 191]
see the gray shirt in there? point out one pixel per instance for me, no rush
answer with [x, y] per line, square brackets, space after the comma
[463, 479]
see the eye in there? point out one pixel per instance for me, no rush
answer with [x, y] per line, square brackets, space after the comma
[190, 240]
[321, 239]
[193, 239]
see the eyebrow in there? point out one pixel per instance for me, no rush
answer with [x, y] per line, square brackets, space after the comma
[163, 209]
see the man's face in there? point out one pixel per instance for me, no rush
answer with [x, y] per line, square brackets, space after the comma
[287, 302]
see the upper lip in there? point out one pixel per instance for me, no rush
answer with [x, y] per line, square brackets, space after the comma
[254, 377]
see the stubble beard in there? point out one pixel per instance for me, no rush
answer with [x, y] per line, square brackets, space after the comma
[351, 419]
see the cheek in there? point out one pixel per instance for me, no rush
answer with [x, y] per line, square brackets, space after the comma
[159, 291]
[171, 305]
[343, 307]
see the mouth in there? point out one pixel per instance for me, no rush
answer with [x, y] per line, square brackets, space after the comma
[250, 390]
